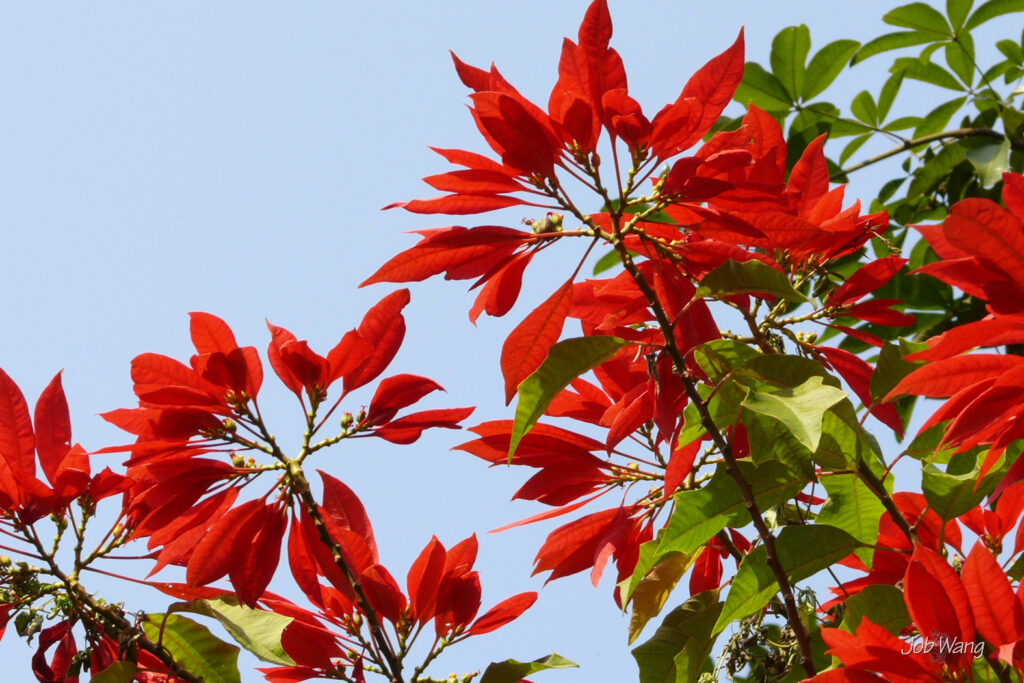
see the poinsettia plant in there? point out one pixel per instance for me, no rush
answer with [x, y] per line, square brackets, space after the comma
[700, 409]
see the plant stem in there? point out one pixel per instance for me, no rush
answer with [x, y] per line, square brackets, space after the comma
[792, 611]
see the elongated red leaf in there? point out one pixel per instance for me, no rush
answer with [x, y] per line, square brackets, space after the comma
[457, 204]
[346, 510]
[383, 592]
[946, 377]
[278, 338]
[867, 279]
[504, 612]
[210, 334]
[384, 327]
[397, 392]
[53, 428]
[998, 615]
[984, 229]
[407, 429]
[424, 578]
[17, 442]
[257, 557]
[213, 556]
[527, 345]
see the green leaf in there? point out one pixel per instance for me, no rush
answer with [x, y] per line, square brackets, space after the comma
[960, 58]
[761, 88]
[511, 671]
[993, 9]
[748, 277]
[903, 122]
[920, 17]
[719, 357]
[890, 41]
[951, 495]
[864, 108]
[789, 54]
[888, 95]
[935, 170]
[825, 66]
[852, 147]
[803, 551]
[1012, 50]
[258, 631]
[957, 11]
[937, 118]
[701, 513]
[567, 360]
[606, 262]
[682, 643]
[852, 507]
[880, 603]
[118, 672]
[799, 408]
[889, 370]
[194, 647]
[990, 161]
[653, 590]
[928, 72]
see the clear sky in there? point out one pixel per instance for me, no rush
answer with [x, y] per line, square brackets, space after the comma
[159, 158]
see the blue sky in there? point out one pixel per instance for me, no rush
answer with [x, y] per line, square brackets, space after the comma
[159, 158]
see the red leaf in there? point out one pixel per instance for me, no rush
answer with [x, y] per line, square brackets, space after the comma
[346, 511]
[502, 289]
[210, 334]
[809, 177]
[946, 377]
[982, 228]
[17, 443]
[857, 374]
[347, 355]
[1013, 193]
[504, 612]
[424, 578]
[407, 429]
[998, 615]
[523, 142]
[707, 571]
[383, 592]
[257, 555]
[572, 547]
[213, 556]
[278, 338]
[995, 331]
[475, 182]
[877, 311]
[397, 392]
[866, 279]
[53, 428]
[527, 346]
[457, 204]
[680, 464]
[384, 327]
[936, 598]
[447, 249]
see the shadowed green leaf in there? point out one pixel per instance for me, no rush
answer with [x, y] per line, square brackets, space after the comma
[748, 277]
[937, 118]
[936, 169]
[825, 65]
[803, 551]
[194, 647]
[990, 161]
[852, 507]
[511, 671]
[882, 604]
[567, 360]
[118, 672]
[678, 649]
[760, 88]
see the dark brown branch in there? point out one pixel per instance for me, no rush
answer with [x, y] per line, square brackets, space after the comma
[956, 134]
[771, 554]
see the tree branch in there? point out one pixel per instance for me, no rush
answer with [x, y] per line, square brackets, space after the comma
[956, 134]
[771, 555]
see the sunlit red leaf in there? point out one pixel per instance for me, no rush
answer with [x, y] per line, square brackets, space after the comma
[384, 327]
[527, 345]
[504, 612]
[424, 578]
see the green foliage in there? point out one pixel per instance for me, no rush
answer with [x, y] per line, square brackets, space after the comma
[511, 671]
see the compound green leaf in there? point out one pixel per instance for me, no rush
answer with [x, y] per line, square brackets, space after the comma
[936, 169]
[957, 11]
[566, 360]
[928, 72]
